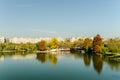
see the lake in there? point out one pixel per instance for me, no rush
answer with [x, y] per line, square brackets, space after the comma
[57, 66]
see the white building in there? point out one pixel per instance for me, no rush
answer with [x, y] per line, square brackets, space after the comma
[75, 38]
[30, 40]
[27, 40]
[2, 39]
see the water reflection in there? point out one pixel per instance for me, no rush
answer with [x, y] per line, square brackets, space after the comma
[44, 57]
[98, 63]
[87, 60]
[17, 55]
[41, 57]
[113, 65]
[95, 60]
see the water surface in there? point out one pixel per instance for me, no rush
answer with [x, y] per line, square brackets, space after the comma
[59, 66]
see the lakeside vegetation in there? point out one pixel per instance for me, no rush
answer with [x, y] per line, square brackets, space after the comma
[97, 44]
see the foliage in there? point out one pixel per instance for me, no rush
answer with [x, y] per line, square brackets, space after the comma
[17, 47]
[109, 45]
[42, 45]
[87, 43]
[77, 43]
[54, 43]
[113, 45]
[104, 50]
[67, 43]
[61, 44]
[38, 45]
[97, 44]
[9, 46]
[2, 46]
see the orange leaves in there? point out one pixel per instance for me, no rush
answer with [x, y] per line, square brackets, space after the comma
[97, 43]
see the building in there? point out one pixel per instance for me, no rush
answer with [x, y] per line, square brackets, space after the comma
[2, 39]
[25, 40]
[30, 40]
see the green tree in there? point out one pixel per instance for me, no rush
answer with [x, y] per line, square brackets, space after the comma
[77, 43]
[9, 46]
[2, 46]
[38, 45]
[113, 45]
[87, 43]
[67, 43]
[31, 46]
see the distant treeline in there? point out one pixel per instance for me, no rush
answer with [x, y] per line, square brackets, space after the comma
[97, 44]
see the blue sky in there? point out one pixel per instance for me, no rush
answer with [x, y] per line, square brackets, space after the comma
[65, 18]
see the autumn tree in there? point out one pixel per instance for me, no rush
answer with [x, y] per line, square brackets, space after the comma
[97, 44]
[54, 43]
[87, 43]
[42, 45]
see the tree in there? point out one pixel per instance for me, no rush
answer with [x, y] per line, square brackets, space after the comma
[61, 44]
[113, 45]
[87, 43]
[54, 43]
[2, 46]
[67, 43]
[97, 44]
[38, 45]
[9, 46]
[77, 43]
[42, 45]
[23, 47]
[30, 46]
[64, 44]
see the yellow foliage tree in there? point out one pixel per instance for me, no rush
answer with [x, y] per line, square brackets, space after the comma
[54, 43]
[87, 43]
